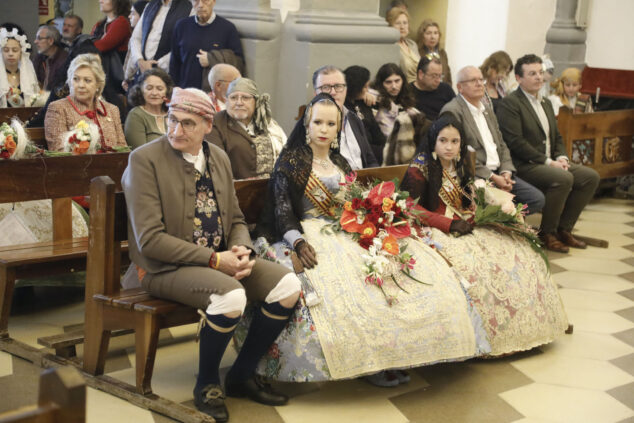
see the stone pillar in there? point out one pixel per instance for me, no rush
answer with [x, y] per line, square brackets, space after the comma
[565, 41]
[283, 57]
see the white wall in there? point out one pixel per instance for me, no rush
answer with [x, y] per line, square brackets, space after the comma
[528, 22]
[475, 29]
[611, 34]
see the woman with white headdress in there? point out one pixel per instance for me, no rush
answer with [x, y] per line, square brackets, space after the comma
[18, 82]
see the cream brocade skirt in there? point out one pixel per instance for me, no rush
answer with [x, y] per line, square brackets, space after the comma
[510, 287]
[354, 332]
[32, 221]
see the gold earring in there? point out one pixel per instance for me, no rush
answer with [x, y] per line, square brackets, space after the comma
[434, 155]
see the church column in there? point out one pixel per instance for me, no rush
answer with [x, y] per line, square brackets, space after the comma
[565, 41]
[283, 57]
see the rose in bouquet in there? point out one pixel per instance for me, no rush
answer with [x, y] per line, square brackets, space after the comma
[82, 139]
[380, 218]
[495, 208]
[14, 142]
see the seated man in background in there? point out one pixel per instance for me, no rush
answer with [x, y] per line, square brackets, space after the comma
[50, 56]
[190, 243]
[246, 131]
[353, 145]
[220, 76]
[430, 92]
[201, 41]
[481, 130]
[529, 127]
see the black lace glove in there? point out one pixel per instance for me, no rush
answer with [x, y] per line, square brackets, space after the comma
[461, 227]
[306, 254]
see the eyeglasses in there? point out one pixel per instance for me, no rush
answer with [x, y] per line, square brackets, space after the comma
[39, 37]
[473, 81]
[188, 125]
[234, 98]
[327, 88]
[434, 75]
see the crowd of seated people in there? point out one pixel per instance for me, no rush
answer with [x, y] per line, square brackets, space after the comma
[197, 124]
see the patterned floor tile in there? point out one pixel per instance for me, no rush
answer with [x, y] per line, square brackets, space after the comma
[628, 276]
[592, 281]
[631, 234]
[629, 247]
[628, 420]
[437, 405]
[597, 321]
[594, 265]
[629, 261]
[605, 216]
[627, 313]
[625, 363]
[582, 344]
[102, 407]
[555, 268]
[564, 404]
[625, 394]
[626, 336]
[628, 294]
[20, 388]
[573, 372]
[6, 364]
[599, 301]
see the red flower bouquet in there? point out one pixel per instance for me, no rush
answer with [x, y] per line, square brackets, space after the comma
[379, 217]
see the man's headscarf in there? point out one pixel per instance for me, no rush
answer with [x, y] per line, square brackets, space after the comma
[262, 114]
[192, 100]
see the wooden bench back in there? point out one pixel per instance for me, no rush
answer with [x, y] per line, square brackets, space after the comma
[601, 140]
[57, 178]
[62, 399]
[22, 113]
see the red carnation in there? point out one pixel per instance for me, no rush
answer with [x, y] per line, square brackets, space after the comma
[365, 242]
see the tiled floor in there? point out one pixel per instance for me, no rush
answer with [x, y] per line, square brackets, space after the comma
[584, 377]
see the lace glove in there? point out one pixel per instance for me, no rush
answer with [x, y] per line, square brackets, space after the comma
[461, 227]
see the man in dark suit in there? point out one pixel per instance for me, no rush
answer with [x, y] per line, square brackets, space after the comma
[480, 128]
[354, 145]
[530, 130]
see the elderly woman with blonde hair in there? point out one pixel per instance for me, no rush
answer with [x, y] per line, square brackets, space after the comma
[567, 93]
[86, 80]
[399, 19]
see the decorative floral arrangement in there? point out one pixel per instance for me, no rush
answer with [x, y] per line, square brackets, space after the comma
[379, 217]
[83, 139]
[495, 208]
[14, 142]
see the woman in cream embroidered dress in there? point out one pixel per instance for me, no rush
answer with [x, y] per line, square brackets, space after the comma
[86, 80]
[509, 283]
[352, 331]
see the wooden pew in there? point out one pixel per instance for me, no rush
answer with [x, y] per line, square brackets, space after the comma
[108, 307]
[600, 140]
[23, 113]
[62, 399]
[56, 178]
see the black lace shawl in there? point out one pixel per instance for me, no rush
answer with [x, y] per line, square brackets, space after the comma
[284, 208]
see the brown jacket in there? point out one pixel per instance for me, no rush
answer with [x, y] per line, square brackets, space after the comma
[229, 135]
[160, 192]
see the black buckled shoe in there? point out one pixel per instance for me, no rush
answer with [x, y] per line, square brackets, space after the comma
[255, 389]
[211, 400]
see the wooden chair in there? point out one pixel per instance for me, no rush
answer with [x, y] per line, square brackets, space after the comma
[62, 399]
[56, 178]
